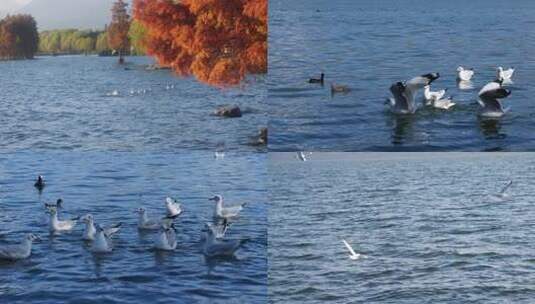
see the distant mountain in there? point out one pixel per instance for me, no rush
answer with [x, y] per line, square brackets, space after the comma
[61, 14]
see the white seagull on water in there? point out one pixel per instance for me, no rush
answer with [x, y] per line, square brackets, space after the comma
[404, 94]
[166, 239]
[90, 230]
[464, 74]
[213, 247]
[225, 212]
[431, 96]
[489, 99]
[56, 225]
[102, 243]
[173, 207]
[144, 223]
[18, 251]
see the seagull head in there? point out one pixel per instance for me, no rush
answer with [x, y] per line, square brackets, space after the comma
[217, 198]
[431, 77]
[52, 210]
[88, 218]
[140, 210]
[170, 201]
[99, 229]
[460, 69]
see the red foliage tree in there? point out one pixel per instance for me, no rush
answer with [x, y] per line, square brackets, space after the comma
[219, 42]
[19, 38]
[118, 29]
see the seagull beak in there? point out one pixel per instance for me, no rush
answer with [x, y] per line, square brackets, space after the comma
[213, 198]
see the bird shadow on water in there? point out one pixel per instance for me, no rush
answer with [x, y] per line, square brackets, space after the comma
[98, 261]
[402, 126]
[213, 262]
[490, 128]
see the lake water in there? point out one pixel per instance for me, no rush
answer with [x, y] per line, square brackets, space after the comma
[368, 45]
[68, 102]
[110, 186]
[429, 226]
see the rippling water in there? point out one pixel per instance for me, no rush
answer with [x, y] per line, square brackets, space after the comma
[428, 224]
[68, 102]
[368, 45]
[111, 186]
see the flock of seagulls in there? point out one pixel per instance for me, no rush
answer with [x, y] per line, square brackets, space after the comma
[403, 100]
[214, 242]
[489, 97]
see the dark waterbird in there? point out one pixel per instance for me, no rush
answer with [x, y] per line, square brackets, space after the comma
[39, 183]
[317, 80]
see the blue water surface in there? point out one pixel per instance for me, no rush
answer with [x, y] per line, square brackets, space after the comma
[110, 185]
[90, 103]
[429, 226]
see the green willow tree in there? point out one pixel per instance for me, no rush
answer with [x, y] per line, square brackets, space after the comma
[138, 36]
[119, 28]
[19, 38]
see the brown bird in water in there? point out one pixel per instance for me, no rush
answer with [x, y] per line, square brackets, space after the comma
[339, 88]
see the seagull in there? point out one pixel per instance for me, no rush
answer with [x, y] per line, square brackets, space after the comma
[339, 89]
[219, 230]
[505, 75]
[444, 103]
[55, 225]
[166, 239]
[220, 151]
[503, 193]
[90, 230]
[404, 93]
[173, 208]
[40, 183]
[144, 223]
[489, 99]
[431, 96]
[317, 80]
[18, 251]
[213, 247]
[225, 212]
[464, 74]
[57, 205]
[353, 255]
[301, 156]
[101, 244]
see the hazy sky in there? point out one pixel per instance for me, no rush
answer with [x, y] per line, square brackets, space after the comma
[12, 5]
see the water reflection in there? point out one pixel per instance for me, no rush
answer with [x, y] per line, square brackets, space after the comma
[465, 85]
[490, 128]
[402, 127]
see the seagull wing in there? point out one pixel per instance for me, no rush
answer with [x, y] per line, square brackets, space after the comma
[506, 187]
[349, 248]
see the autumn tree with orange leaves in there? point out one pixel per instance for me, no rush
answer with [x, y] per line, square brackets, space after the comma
[219, 42]
[118, 29]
